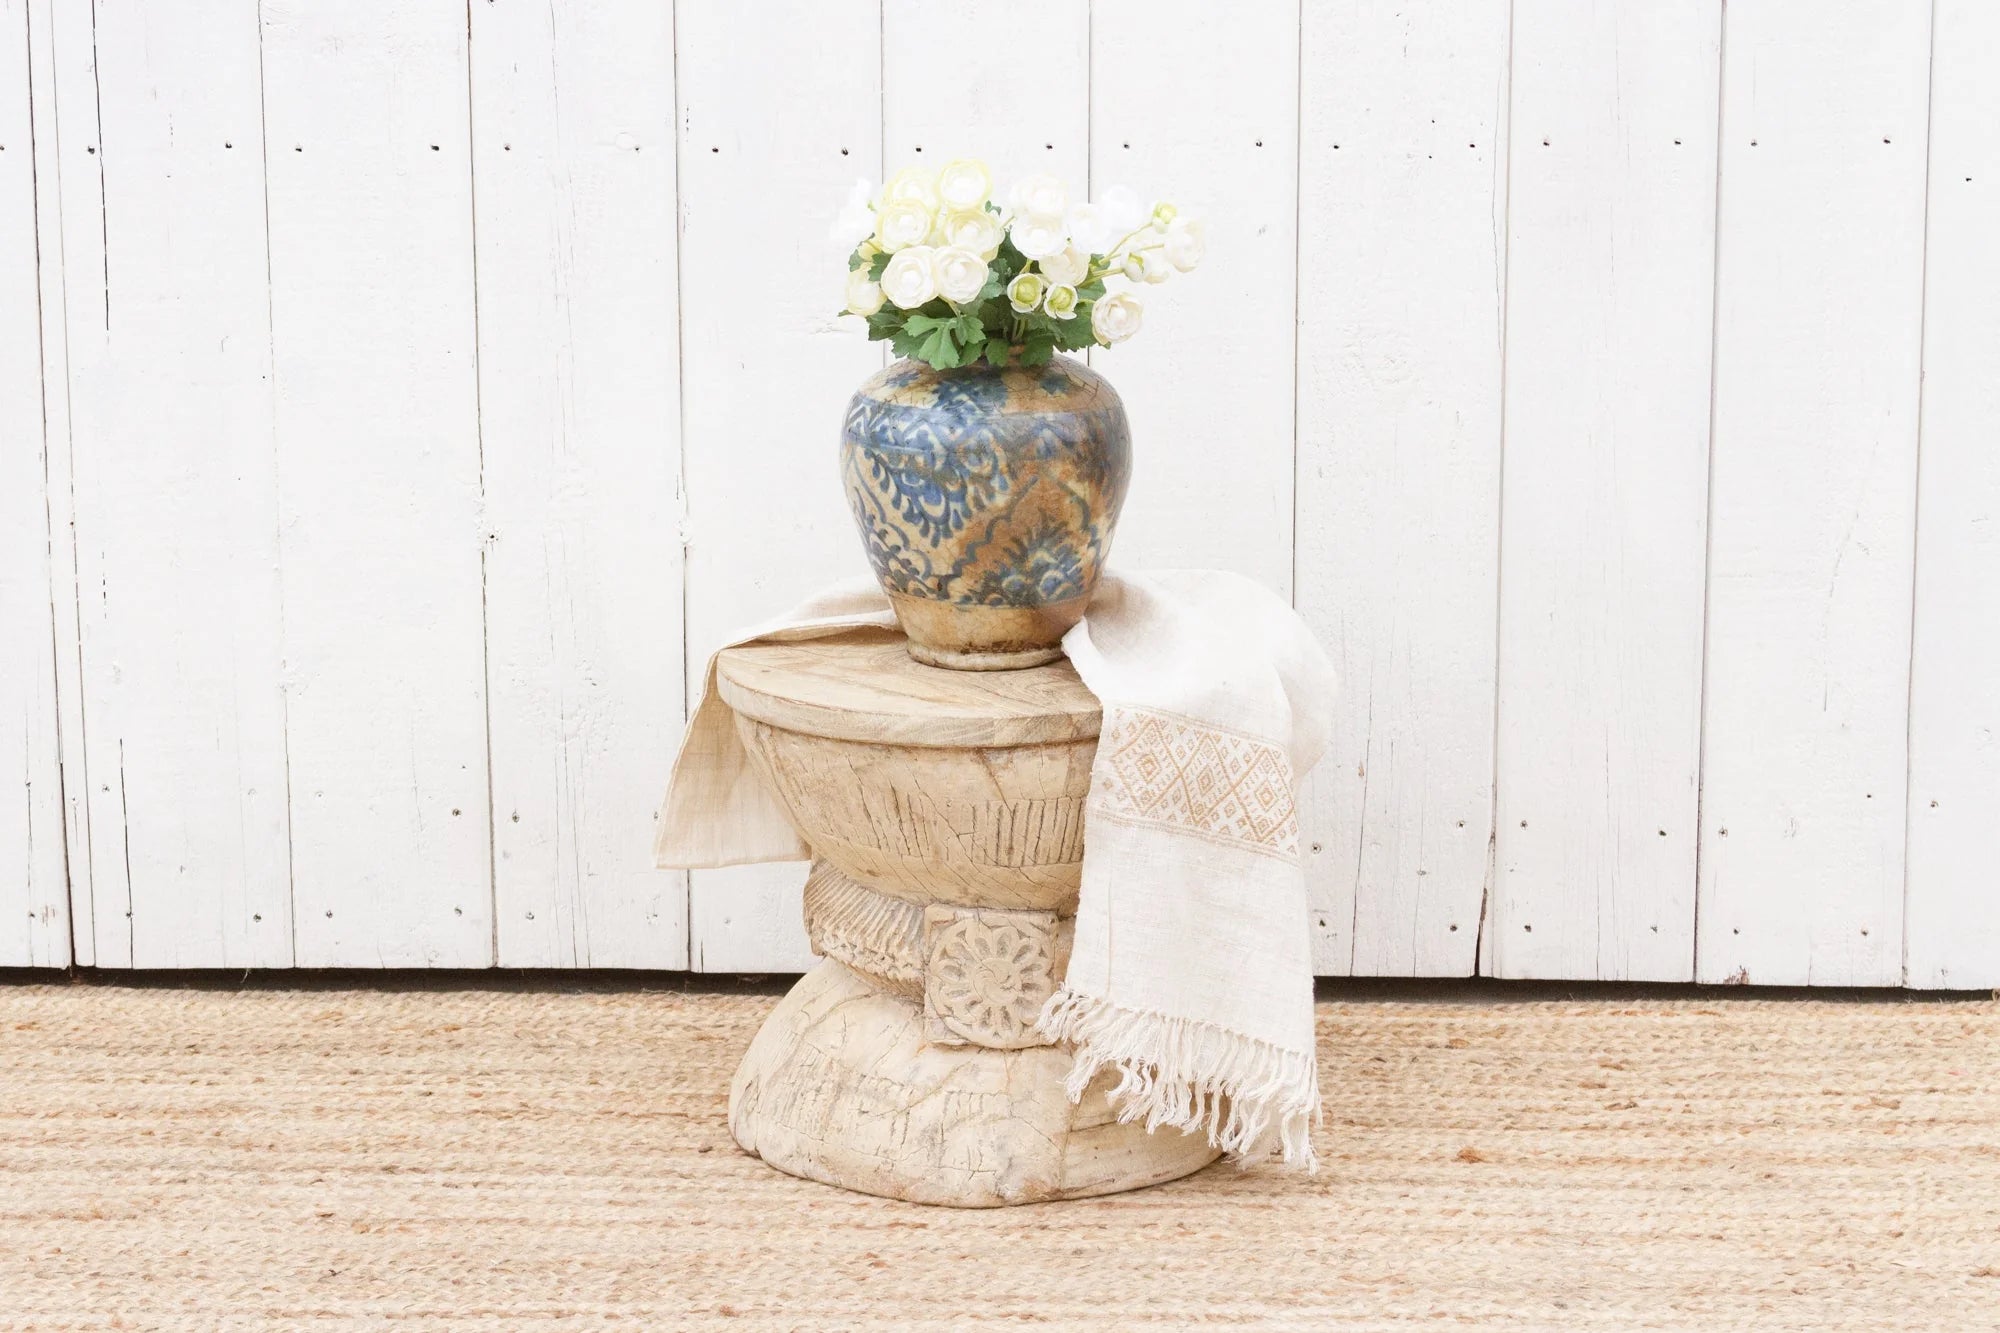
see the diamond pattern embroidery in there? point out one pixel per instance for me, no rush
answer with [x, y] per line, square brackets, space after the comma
[1161, 769]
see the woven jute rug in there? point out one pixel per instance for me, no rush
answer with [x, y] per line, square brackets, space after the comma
[458, 1159]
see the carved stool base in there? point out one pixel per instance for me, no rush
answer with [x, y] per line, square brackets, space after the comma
[840, 1086]
[945, 812]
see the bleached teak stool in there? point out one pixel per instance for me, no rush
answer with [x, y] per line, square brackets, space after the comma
[945, 813]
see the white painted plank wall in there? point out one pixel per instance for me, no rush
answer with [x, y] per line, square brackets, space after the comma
[1819, 291]
[1952, 926]
[34, 893]
[1610, 261]
[1402, 230]
[377, 411]
[573, 151]
[424, 486]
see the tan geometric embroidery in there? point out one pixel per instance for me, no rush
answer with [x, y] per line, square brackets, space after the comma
[1159, 769]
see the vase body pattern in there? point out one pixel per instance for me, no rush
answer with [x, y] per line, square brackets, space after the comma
[986, 499]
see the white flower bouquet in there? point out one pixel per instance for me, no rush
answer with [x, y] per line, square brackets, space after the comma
[949, 276]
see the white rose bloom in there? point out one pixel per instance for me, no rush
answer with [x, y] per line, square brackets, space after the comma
[1069, 268]
[961, 274]
[1038, 237]
[913, 183]
[864, 297]
[1088, 229]
[901, 223]
[1115, 318]
[1163, 216]
[1025, 292]
[1061, 302]
[856, 220]
[1186, 243]
[1122, 210]
[965, 184]
[974, 229]
[1039, 196]
[1156, 268]
[911, 278]
[1134, 268]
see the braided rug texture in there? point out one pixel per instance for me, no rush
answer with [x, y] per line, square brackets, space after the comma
[194, 1159]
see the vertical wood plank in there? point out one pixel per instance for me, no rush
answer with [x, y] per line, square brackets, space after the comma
[573, 184]
[1610, 265]
[1402, 204]
[173, 481]
[372, 315]
[780, 112]
[69, 230]
[1952, 920]
[1210, 384]
[34, 892]
[1812, 513]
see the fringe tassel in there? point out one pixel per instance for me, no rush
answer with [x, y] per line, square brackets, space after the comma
[1251, 1099]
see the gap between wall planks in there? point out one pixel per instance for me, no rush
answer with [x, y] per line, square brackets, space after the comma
[469, 366]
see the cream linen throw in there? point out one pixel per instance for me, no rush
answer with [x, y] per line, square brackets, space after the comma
[1191, 973]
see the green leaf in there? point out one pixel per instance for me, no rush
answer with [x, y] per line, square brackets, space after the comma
[1037, 354]
[996, 352]
[1072, 334]
[1091, 290]
[875, 267]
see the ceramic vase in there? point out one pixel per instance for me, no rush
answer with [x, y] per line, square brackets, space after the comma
[986, 499]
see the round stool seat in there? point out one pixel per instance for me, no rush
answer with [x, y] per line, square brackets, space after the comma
[865, 686]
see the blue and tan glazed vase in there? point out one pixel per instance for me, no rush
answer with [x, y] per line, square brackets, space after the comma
[986, 498]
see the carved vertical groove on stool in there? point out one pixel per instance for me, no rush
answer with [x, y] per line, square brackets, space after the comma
[1000, 826]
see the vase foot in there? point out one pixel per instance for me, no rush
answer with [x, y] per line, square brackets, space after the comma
[972, 659]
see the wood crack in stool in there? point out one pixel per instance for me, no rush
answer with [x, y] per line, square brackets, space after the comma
[945, 814]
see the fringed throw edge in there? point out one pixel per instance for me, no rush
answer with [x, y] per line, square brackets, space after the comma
[1251, 1098]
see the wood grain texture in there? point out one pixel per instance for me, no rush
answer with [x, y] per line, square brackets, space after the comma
[1952, 925]
[762, 444]
[1610, 261]
[34, 891]
[372, 320]
[573, 187]
[866, 687]
[1402, 201]
[1819, 288]
[1209, 385]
